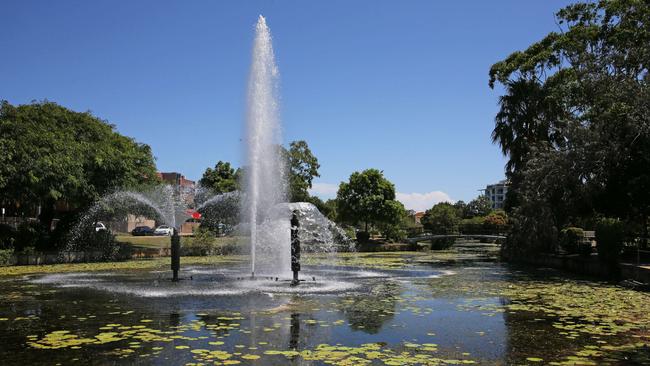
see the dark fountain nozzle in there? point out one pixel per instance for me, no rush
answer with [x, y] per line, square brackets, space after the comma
[176, 254]
[295, 248]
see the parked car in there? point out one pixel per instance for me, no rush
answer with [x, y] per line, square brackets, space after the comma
[164, 230]
[99, 226]
[142, 231]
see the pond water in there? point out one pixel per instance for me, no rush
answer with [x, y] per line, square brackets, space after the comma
[452, 307]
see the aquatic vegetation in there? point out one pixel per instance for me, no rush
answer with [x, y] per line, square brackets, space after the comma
[392, 320]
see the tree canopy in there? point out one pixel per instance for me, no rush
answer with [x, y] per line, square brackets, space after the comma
[222, 179]
[303, 168]
[368, 198]
[50, 154]
[442, 218]
[575, 121]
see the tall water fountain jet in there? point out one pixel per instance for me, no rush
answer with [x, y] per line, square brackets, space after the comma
[266, 179]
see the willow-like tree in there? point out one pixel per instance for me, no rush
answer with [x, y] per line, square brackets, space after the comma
[574, 122]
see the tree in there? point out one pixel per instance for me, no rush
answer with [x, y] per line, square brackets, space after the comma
[50, 154]
[461, 208]
[442, 219]
[496, 222]
[574, 122]
[479, 206]
[303, 168]
[222, 179]
[368, 198]
[331, 209]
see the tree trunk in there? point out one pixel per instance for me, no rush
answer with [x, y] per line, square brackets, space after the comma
[47, 213]
[644, 242]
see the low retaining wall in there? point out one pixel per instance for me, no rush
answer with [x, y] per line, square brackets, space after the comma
[80, 257]
[590, 266]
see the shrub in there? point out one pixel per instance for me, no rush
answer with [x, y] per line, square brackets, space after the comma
[5, 257]
[31, 234]
[571, 238]
[610, 235]
[7, 236]
[496, 222]
[472, 226]
[394, 233]
[349, 231]
[103, 242]
[442, 243]
[363, 236]
[202, 243]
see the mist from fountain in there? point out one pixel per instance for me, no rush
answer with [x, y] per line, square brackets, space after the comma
[163, 203]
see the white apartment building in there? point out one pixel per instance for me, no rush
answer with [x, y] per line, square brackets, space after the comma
[496, 193]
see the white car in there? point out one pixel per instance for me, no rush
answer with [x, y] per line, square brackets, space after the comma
[99, 226]
[164, 230]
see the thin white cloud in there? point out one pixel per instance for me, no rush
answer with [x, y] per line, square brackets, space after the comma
[422, 201]
[324, 190]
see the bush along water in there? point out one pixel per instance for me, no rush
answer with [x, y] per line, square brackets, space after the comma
[204, 242]
[610, 235]
[571, 238]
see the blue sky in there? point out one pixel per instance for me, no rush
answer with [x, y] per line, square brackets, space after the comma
[396, 85]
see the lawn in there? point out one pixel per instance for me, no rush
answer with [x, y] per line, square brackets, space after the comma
[165, 242]
[145, 241]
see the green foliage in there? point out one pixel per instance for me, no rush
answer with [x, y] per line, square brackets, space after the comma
[496, 222]
[5, 257]
[442, 243]
[573, 121]
[50, 154]
[472, 226]
[532, 230]
[368, 198]
[103, 242]
[330, 210]
[31, 234]
[571, 238]
[461, 209]
[303, 168]
[222, 179]
[479, 206]
[610, 235]
[393, 233]
[7, 237]
[362, 236]
[442, 219]
[202, 243]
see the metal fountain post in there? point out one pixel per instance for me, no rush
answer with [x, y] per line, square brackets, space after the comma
[295, 248]
[176, 254]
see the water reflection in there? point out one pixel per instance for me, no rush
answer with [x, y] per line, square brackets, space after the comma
[294, 334]
[370, 312]
[458, 316]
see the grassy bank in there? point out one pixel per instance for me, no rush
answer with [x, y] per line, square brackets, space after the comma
[161, 262]
[165, 241]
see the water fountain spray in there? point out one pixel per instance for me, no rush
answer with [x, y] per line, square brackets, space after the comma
[266, 179]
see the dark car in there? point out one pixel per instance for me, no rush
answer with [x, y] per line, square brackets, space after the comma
[142, 231]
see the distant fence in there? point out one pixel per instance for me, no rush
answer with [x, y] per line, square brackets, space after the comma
[429, 236]
[15, 221]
